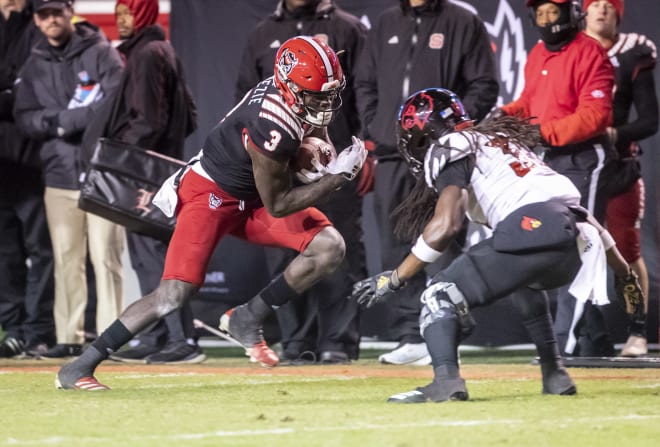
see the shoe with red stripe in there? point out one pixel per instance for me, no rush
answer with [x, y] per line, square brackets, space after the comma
[239, 325]
[73, 376]
[261, 353]
[82, 384]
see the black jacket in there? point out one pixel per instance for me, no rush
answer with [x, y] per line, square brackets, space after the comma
[45, 90]
[452, 51]
[17, 36]
[341, 31]
[152, 108]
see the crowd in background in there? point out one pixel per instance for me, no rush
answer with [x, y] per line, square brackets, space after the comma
[136, 93]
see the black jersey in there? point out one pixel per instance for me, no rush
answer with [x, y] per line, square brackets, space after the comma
[634, 57]
[261, 117]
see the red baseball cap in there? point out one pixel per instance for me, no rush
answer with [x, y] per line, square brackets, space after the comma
[618, 6]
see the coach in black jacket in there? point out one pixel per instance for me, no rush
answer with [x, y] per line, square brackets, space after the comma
[413, 46]
[335, 317]
[67, 77]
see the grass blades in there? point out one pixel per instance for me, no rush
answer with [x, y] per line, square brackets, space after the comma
[229, 402]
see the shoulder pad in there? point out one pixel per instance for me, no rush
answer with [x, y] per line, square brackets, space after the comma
[446, 150]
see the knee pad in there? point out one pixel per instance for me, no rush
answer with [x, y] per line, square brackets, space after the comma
[443, 300]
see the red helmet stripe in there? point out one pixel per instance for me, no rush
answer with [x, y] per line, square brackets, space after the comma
[324, 57]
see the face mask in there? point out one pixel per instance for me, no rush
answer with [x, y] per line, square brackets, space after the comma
[560, 32]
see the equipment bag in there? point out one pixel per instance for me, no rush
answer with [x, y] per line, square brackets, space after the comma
[120, 184]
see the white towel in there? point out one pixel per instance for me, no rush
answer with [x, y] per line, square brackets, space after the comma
[167, 196]
[590, 283]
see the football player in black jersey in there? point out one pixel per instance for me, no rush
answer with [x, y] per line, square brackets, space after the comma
[241, 184]
[634, 57]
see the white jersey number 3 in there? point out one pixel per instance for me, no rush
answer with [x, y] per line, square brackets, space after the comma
[275, 138]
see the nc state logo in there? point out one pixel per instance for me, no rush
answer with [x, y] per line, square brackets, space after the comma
[214, 201]
[287, 62]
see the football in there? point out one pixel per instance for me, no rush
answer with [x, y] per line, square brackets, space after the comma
[312, 148]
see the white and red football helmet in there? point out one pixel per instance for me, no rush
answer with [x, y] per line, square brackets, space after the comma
[310, 78]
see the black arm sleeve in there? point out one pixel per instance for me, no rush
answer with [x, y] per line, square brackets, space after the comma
[646, 105]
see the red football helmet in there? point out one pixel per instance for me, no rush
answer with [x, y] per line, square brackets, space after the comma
[310, 78]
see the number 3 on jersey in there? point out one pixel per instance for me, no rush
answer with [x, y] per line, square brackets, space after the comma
[275, 138]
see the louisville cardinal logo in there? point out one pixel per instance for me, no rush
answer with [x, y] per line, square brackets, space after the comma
[530, 223]
[417, 112]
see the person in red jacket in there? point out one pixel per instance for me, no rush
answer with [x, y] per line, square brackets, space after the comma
[634, 57]
[568, 94]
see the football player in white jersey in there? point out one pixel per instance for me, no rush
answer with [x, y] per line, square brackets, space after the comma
[541, 238]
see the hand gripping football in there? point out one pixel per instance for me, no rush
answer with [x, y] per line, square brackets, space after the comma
[312, 150]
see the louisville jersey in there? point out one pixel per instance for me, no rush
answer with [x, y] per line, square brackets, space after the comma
[499, 175]
[261, 117]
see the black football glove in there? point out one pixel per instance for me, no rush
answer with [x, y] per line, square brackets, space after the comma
[630, 295]
[374, 289]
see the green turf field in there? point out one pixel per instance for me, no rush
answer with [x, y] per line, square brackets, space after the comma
[227, 401]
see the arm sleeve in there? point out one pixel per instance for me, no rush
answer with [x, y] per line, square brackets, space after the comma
[110, 68]
[29, 114]
[646, 105]
[594, 82]
[479, 74]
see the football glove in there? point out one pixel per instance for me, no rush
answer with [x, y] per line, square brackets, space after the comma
[374, 289]
[630, 295]
[349, 161]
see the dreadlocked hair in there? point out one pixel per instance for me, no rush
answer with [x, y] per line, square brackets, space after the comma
[412, 215]
[514, 129]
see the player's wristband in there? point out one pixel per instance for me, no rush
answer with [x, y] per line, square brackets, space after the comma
[425, 253]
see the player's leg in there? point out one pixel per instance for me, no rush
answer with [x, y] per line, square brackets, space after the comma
[535, 311]
[476, 278]
[321, 250]
[198, 230]
[624, 214]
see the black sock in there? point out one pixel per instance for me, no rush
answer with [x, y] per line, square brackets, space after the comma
[112, 338]
[637, 327]
[278, 292]
[442, 341]
[542, 335]
[258, 308]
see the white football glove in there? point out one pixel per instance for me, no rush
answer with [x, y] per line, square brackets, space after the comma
[349, 161]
